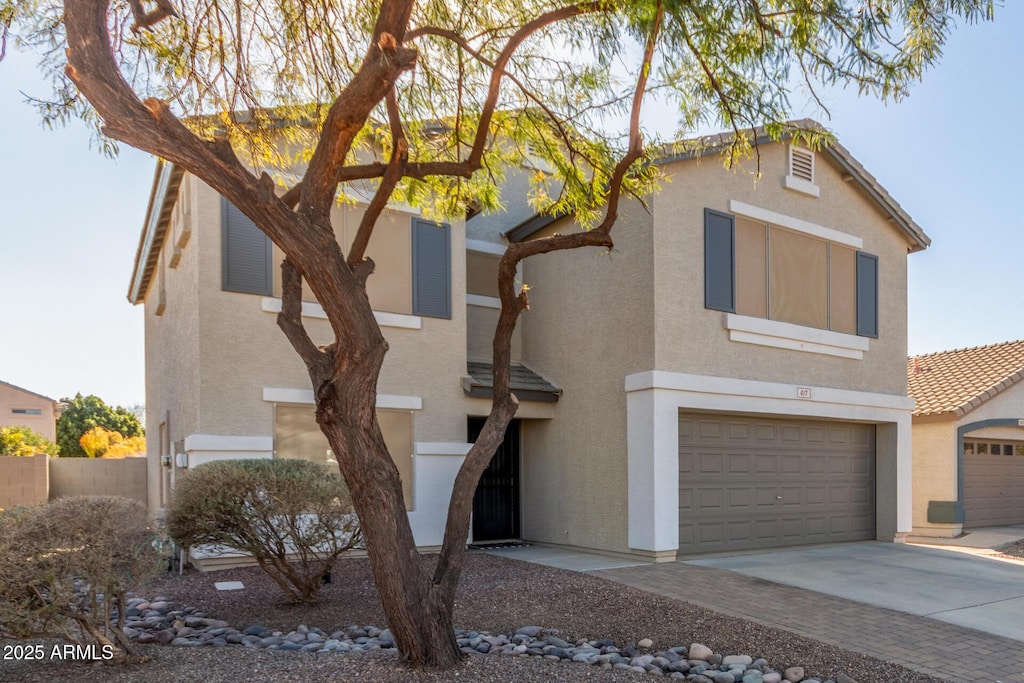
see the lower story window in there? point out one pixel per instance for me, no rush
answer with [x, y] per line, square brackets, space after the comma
[297, 435]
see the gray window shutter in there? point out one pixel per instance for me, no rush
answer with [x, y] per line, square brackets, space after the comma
[719, 261]
[431, 269]
[246, 255]
[867, 295]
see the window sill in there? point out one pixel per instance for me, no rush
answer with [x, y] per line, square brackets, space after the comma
[311, 309]
[748, 330]
[483, 301]
[800, 185]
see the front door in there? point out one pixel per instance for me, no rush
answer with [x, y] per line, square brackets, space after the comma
[496, 503]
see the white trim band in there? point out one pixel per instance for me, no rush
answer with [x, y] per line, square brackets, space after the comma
[782, 335]
[784, 221]
[220, 442]
[441, 448]
[305, 396]
[791, 182]
[311, 309]
[483, 301]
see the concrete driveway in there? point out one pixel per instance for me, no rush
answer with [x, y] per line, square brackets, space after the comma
[962, 589]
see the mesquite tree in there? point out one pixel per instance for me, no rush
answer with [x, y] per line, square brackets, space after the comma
[428, 101]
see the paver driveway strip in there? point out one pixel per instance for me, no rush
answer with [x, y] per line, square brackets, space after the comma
[924, 644]
[962, 589]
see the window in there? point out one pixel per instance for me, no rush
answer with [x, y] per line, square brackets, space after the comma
[761, 270]
[247, 254]
[482, 273]
[297, 435]
[27, 411]
[968, 448]
[431, 269]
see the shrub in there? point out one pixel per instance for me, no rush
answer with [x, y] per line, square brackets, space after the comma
[68, 565]
[24, 441]
[294, 517]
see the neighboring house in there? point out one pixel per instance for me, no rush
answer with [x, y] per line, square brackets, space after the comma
[968, 438]
[26, 408]
[730, 376]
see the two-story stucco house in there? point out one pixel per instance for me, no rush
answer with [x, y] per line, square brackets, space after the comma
[730, 376]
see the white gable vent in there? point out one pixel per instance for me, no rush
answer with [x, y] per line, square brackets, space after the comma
[801, 172]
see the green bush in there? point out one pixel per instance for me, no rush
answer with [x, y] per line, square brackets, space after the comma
[67, 566]
[25, 441]
[294, 517]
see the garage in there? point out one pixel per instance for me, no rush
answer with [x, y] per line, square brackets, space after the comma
[993, 483]
[749, 482]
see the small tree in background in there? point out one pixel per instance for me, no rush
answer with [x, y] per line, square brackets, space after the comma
[105, 443]
[82, 413]
[68, 565]
[293, 516]
[25, 441]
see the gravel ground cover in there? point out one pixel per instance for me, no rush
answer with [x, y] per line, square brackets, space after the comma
[496, 594]
[1015, 549]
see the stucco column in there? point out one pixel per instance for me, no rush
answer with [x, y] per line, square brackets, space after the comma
[652, 434]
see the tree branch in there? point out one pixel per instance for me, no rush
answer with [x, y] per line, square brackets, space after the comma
[290, 320]
[393, 174]
[385, 60]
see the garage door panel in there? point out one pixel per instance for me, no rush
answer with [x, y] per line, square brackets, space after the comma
[993, 490]
[763, 482]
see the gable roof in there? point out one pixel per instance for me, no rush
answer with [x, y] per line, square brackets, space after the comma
[852, 170]
[166, 180]
[22, 389]
[960, 380]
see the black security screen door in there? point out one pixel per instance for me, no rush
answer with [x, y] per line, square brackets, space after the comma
[496, 503]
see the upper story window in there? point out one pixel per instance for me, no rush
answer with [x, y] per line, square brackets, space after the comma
[26, 411]
[759, 269]
[413, 262]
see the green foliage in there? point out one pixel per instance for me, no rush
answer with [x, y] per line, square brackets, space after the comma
[83, 413]
[294, 517]
[68, 565]
[20, 440]
[564, 95]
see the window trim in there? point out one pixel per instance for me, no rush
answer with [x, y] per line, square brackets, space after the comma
[783, 335]
[783, 221]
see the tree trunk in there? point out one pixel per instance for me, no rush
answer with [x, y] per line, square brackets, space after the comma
[419, 619]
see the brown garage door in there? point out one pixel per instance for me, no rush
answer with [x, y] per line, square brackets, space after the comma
[749, 482]
[993, 484]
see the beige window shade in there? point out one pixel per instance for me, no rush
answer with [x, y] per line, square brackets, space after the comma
[481, 274]
[797, 278]
[842, 289]
[298, 436]
[751, 268]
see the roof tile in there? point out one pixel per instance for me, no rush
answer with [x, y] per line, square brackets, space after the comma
[960, 380]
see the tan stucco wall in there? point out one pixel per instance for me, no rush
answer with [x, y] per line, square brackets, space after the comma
[12, 397]
[480, 324]
[172, 339]
[934, 466]
[692, 339]
[589, 325]
[242, 350]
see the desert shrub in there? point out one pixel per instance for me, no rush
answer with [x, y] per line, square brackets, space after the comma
[67, 566]
[294, 517]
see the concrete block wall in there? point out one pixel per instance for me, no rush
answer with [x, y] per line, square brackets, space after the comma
[24, 481]
[97, 477]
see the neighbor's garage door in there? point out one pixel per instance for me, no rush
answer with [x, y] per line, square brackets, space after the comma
[993, 484]
[748, 482]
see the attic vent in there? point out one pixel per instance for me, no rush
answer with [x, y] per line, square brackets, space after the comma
[801, 164]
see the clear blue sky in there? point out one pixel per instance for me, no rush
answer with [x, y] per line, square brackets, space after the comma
[951, 154]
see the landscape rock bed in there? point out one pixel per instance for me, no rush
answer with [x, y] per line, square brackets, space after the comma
[159, 621]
